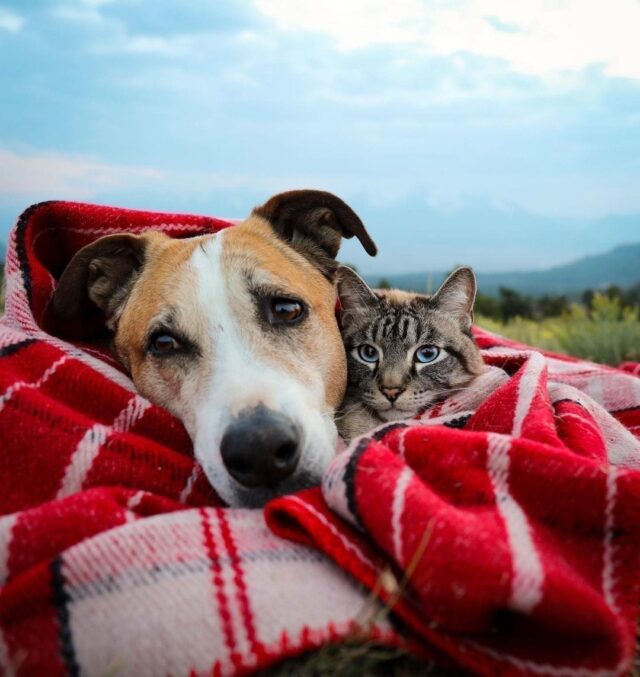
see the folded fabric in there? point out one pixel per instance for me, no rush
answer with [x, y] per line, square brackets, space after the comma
[509, 515]
[116, 556]
[502, 528]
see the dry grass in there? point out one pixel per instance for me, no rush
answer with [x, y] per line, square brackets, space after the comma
[355, 659]
[609, 334]
[360, 655]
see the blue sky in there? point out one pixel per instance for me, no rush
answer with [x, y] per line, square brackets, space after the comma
[505, 135]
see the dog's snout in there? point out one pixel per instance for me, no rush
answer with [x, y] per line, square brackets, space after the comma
[260, 448]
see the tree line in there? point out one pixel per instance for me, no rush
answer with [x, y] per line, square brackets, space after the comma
[510, 303]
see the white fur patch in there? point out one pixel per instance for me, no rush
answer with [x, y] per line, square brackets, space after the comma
[241, 379]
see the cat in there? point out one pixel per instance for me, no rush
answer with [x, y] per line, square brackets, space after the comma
[405, 351]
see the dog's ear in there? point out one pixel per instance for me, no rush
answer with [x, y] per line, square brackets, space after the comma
[313, 222]
[356, 298]
[457, 295]
[101, 273]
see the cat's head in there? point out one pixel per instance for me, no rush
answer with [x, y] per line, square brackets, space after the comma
[407, 351]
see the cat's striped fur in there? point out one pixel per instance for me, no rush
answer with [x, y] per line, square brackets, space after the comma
[405, 351]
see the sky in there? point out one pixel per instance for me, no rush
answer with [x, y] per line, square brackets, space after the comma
[500, 134]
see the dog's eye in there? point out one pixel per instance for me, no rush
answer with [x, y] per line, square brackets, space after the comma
[426, 354]
[164, 344]
[282, 310]
[367, 353]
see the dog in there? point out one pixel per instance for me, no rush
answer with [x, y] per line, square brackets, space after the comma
[235, 333]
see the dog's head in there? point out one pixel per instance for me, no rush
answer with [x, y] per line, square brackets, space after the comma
[234, 333]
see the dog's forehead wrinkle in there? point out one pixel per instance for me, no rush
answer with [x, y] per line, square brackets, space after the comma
[165, 318]
[246, 365]
[261, 232]
[253, 247]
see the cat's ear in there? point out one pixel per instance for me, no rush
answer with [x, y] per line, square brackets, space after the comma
[353, 292]
[457, 295]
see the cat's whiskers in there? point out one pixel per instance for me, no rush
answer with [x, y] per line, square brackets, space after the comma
[343, 413]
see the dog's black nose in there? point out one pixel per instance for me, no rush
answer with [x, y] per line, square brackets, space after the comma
[260, 447]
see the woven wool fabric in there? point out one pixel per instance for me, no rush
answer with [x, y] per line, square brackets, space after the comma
[116, 557]
[515, 506]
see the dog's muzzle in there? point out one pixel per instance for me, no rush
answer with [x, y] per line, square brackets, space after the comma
[260, 447]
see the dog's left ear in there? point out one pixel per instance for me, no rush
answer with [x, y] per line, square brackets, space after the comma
[313, 222]
[100, 276]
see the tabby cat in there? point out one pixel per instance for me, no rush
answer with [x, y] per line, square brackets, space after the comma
[405, 352]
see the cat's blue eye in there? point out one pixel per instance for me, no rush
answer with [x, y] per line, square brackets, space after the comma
[426, 354]
[368, 353]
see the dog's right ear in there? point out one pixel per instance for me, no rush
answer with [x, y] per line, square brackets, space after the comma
[313, 222]
[102, 273]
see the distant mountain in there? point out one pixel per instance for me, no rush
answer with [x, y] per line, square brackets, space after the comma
[620, 266]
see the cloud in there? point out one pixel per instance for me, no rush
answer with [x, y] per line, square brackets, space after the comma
[176, 17]
[10, 21]
[234, 107]
[128, 27]
[33, 175]
[413, 231]
[43, 175]
[536, 37]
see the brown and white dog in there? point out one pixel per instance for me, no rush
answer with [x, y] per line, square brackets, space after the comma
[234, 333]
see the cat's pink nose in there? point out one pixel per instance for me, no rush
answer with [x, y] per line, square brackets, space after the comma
[392, 394]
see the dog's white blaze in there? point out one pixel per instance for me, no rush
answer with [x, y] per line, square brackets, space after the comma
[241, 379]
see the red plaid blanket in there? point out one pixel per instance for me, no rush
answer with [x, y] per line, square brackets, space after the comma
[503, 527]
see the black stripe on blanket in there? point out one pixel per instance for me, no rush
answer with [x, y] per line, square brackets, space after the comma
[383, 432]
[567, 399]
[459, 422]
[21, 245]
[13, 348]
[349, 478]
[579, 404]
[60, 601]
[350, 470]
[620, 411]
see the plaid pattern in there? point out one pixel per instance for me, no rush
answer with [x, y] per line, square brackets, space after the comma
[515, 505]
[116, 557]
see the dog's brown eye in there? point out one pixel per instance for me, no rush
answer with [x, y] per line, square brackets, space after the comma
[285, 311]
[164, 344]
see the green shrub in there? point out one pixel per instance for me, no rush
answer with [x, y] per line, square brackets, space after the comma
[609, 333]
